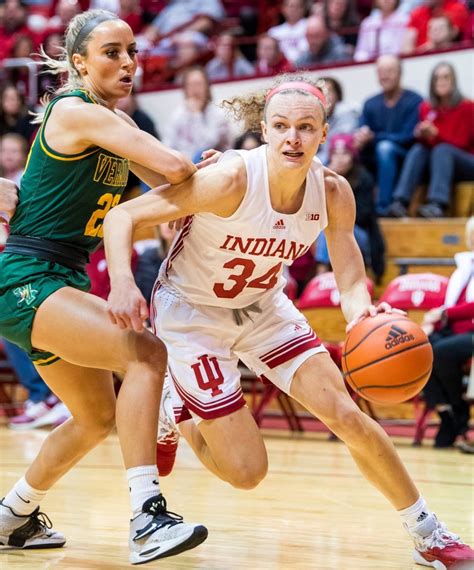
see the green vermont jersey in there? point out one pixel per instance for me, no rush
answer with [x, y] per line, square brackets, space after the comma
[66, 197]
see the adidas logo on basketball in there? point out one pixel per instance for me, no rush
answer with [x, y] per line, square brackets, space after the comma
[397, 336]
[280, 225]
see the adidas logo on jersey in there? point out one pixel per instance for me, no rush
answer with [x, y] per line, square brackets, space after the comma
[280, 225]
[397, 336]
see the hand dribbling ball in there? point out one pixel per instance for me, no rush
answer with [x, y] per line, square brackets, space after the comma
[387, 359]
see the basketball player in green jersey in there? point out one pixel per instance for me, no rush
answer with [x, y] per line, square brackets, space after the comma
[75, 174]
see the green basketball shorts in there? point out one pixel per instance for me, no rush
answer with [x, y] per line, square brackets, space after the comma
[25, 282]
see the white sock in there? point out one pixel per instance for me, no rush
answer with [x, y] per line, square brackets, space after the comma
[23, 498]
[142, 484]
[418, 518]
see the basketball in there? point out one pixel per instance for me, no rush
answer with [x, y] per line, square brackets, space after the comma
[387, 359]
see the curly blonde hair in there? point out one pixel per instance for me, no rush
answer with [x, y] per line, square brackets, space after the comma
[251, 108]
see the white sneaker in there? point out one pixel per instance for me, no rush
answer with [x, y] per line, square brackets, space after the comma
[27, 531]
[33, 416]
[168, 434]
[438, 548]
[158, 533]
[39, 415]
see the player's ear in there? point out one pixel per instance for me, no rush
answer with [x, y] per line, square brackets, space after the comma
[263, 126]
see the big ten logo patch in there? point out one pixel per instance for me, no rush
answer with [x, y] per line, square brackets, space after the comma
[208, 374]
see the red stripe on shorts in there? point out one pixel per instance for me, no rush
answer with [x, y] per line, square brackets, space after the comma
[290, 354]
[288, 344]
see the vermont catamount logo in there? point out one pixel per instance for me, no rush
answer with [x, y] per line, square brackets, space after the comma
[25, 294]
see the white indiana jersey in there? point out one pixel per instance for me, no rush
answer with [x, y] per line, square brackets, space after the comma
[233, 262]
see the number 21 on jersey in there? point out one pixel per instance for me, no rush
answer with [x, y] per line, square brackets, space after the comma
[94, 225]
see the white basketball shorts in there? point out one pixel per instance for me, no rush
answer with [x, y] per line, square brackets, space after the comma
[205, 345]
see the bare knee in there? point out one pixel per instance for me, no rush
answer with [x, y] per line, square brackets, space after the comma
[98, 425]
[247, 477]
[151, 352]
[350, 424]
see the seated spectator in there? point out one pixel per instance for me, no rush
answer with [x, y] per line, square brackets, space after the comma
[189, 47]
[13, 153]
[291, 35]
[342, 117]
[417, 33]
[228, 62]
[451, 333]
[344, 161]
[445, 148]
[440, 34]
[270, 60]
[23, 48]
[197, 15]
[341, 18]
[248, 141]
[324, 46]
[197, 124]
[382, 32]
[64, 13]
[14, 113]
[12, 25]
[53, 47]
[132, 13]
[387, 123]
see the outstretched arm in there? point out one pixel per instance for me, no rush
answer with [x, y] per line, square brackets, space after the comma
[8, 199]
[345, 255]
[75, 126]
[217, 189]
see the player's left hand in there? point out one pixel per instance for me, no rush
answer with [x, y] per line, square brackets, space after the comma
[8, 199]
[373, 311]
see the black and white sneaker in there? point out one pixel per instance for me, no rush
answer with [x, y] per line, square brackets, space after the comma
[158, 533]
[28, 531]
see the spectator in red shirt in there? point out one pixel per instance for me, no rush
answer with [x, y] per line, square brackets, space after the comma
[270, 59]
[440, 34]
[445, 148]
[452, 336]
[13, 25]
[418, 23]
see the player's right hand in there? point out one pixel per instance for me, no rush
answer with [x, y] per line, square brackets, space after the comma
[127, 307]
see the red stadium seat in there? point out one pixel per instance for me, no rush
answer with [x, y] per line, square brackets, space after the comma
[416, 292]
[320, 303]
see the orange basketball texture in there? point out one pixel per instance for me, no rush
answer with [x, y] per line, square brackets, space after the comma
[387, 359]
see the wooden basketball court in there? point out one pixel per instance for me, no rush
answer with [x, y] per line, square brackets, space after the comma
[313, 511]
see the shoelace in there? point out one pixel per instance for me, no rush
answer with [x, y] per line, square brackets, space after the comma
[37, 522]
[161, 517]
[441, 538]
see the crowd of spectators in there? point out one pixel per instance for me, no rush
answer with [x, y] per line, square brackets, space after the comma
[396, 141]
[232, 37]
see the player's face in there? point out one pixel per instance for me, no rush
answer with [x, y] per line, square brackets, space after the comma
[111, 61]
[294, 128]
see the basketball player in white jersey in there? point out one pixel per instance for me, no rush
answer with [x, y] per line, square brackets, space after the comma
[219, 298]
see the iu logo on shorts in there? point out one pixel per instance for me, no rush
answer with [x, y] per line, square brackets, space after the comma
[208, 374]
